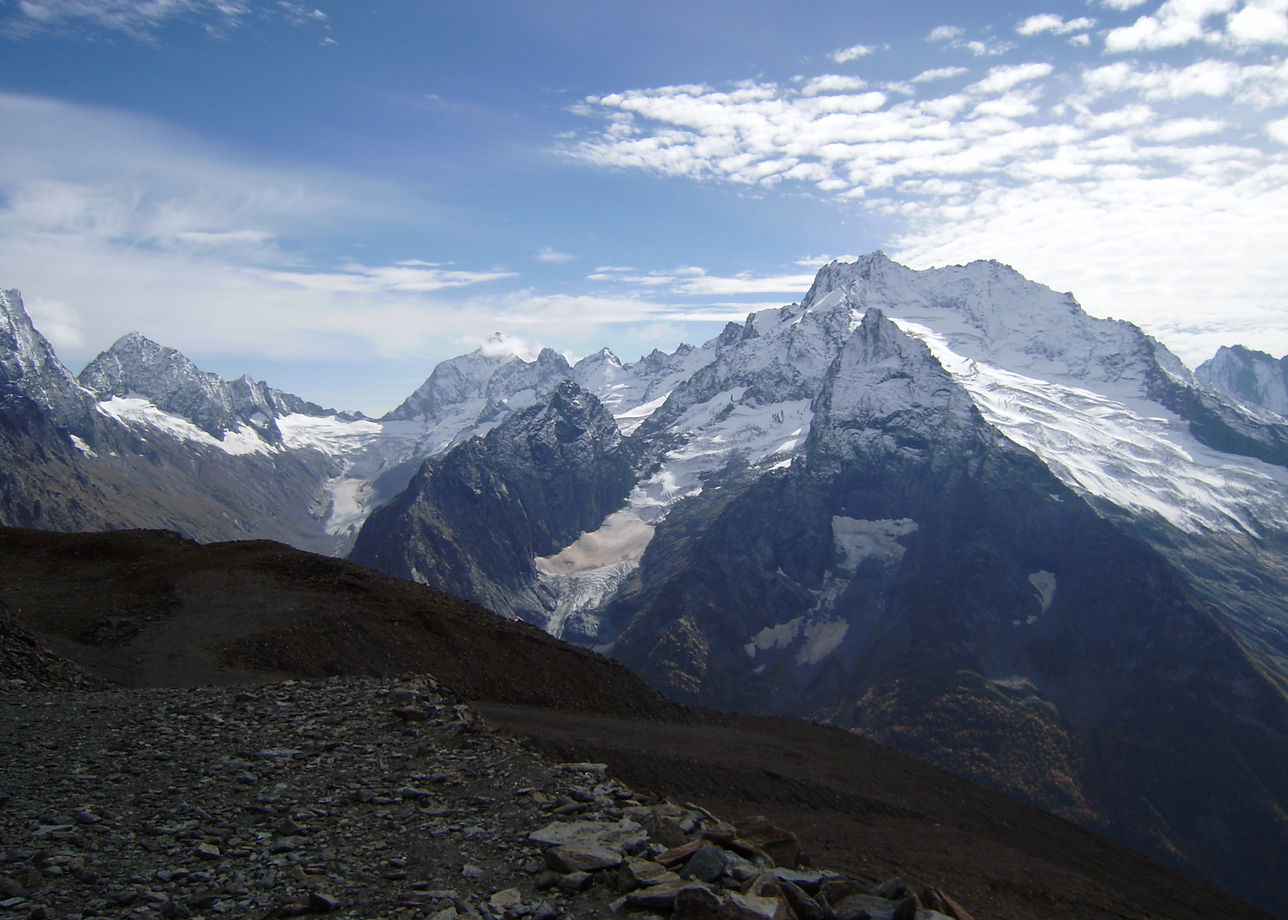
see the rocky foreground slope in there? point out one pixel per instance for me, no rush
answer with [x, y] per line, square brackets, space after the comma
[391, 798]
[370, 795]
[363, 799]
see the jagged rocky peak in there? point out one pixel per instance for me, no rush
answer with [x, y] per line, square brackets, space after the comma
[520, 383]
[569, 426]
[600, 372]
[451, 383]
[135, 360]
[605, 357]
[658, 360]
[473, 520]
[484, 383]
[258, 403]
[886, 387]
[1253, 377]
[29, 369]
[136, 366]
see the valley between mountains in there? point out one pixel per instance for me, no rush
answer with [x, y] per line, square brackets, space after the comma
[944, 510]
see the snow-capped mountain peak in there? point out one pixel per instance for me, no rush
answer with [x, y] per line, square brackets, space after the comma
[29, 368]
[1253, 377]
[137, 367]
[888, 381]
[988, 312]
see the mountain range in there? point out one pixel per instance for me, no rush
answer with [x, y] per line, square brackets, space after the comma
[946, 509]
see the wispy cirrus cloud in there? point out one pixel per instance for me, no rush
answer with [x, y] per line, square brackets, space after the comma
[149, 230]
[410, 276]
[1133, 166]
[146, 229]
[142, 20]
[692, 281]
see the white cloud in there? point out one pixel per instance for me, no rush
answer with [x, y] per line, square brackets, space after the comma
[1001, 79]
[1180, 129]
[58, 321]
[1121, 5]
[819, 261]
[945, 33]
[693, 281]
[548, 254]
[1115, 120]
[503, 344]
[833, 83]
[852, 53]
[1140, 177]
[711, 285]
[1056, 24]
[1256, 85]
[407, 277]
[1176, 22]
[125, 16]
[939, 73]
[142, 20]
[1259, 24]
[953, 37]
[146, 230]
[1160, 252]
[988, 48]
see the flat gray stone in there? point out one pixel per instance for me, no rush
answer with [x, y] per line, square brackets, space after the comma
[582, 857]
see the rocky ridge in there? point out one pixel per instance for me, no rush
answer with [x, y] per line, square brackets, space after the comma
[137, 366]
[363, 798]
[1251, 376]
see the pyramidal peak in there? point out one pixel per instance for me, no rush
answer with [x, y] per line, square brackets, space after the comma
[886, 384]
[30, 368]
[138, 367]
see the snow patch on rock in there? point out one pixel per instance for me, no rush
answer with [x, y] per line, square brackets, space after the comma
[79, 443]
[856, 540]
[721, 430]
[136, 412]
[779, 635]
[584, 574]
[817, 638]
[1044, 582]
[822, 638]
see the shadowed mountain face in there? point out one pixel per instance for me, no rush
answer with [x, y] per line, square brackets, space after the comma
[936, 588]
[151, 609]
[915, 575]
[473, 521]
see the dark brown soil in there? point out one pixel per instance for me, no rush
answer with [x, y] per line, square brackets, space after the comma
[150, 609]
[871, 812]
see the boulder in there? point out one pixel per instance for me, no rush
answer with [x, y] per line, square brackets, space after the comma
[780, 844]
[581, 857]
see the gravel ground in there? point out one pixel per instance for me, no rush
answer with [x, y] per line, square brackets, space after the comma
[356, 798]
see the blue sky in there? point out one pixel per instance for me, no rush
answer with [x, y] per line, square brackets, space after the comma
[336, 196]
